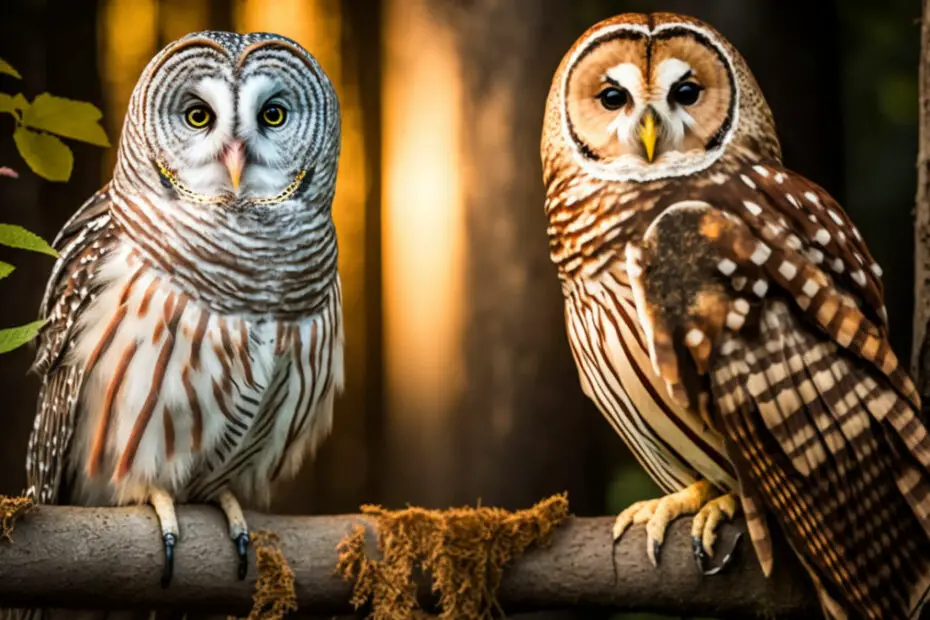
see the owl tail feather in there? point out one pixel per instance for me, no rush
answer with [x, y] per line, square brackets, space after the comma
[836, 456]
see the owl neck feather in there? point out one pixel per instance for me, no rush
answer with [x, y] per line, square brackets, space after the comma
[276, 261]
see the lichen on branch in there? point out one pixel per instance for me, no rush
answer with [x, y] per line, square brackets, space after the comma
[11, 509]
[274, 591]
[465, 550]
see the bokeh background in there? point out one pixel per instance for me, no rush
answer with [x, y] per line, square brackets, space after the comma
[461, 387]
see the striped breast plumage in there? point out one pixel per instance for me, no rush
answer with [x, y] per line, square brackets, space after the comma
[673, 444]
[180, 397]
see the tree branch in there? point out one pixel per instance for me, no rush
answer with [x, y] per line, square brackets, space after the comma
[112, 558]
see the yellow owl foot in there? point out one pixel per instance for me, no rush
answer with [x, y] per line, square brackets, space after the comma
[704, 530]
[657, 514]
[238, 529]
[163, 504]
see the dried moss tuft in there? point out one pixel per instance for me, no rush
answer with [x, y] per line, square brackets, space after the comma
[11, 509]
[274, 591]
[464, 549]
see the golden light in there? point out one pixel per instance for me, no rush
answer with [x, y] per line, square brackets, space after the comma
[422, 218]
[180, 17]
[128, 39]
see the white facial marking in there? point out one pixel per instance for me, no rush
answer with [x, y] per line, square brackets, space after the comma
[266, 173]
[626, 121]
[199, 168]
[675, 119]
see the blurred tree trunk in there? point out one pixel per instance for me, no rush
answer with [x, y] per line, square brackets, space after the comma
[54, 51]
[921, 348]
[524, 430]
[516, 427]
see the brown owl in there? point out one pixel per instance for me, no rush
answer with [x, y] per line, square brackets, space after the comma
[727, 318]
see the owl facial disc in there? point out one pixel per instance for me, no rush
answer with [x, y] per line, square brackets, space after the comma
[647, 101]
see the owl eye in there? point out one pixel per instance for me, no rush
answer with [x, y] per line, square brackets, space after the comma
[199, 116]
[613, 98]
[687, 93]
[273, 115]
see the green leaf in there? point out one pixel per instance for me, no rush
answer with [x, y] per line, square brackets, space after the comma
[15, 337]
[6, 103]
[77, 120]
[48, 156]
[18, 237]
[7, 68]
[9, 103]
[6, 269]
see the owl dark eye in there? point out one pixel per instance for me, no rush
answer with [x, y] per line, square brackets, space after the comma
[199, 116]
[687, 93]
[273, 115]
[613, 98]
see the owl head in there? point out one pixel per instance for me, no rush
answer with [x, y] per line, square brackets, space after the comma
[230, 119]
[646, 97]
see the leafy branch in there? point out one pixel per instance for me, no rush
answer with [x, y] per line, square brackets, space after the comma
[40, 125]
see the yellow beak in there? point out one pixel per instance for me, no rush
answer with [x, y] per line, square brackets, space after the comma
[647, 133]
[234, 160]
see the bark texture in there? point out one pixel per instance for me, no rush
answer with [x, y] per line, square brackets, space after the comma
[112, 558]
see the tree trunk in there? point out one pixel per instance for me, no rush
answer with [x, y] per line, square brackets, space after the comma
[511, 425]
[921, 349]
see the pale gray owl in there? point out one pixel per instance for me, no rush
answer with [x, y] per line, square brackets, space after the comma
[194, 340]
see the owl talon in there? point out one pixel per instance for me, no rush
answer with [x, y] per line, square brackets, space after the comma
[697, 547]
[170, 540]
[704, 530]
[653, 547]
[726, 558]
[242, 549]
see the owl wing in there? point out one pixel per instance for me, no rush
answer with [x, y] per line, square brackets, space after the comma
[83, 241]
[741, 298]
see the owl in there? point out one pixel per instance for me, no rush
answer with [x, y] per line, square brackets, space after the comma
[194, 340]
[726, 316]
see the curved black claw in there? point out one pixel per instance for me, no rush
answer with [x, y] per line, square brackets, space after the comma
[242, 548]
[656, 547]
[724, 562]
[170, 541]
[700, 556]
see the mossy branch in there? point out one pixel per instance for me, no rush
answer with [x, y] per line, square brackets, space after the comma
[112, 558]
